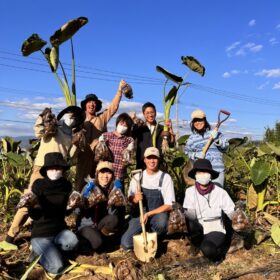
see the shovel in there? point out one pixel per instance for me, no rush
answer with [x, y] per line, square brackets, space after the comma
[144, 244]
[219, 122]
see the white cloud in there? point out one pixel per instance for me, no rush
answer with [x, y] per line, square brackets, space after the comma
[252, 22]
[226, 75]
[273, 41]
[232, 47]
[232, 120]
[241, 50]
[276, 86]
[278, 27]
[269, 73]
[262, 86]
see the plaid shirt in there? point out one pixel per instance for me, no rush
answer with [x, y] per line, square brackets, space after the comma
[117, 145]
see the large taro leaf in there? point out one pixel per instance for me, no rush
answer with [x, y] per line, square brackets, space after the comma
[274, 148]
[169, 75]
[275, 233]
[193, 64]
[15, 160]
[171, 95]
[236, 142]
[179, 161]
[67, 31]
[183, 139]
[33, 44]
[259, 172]
[52, 56]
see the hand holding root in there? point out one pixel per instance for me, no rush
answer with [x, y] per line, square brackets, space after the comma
[49, 123]
[79, 139]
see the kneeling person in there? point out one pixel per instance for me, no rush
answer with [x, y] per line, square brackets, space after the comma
[157, 194]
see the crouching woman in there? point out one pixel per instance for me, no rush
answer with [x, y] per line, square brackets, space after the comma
[50, 236]
[97, 221]
[208, 209]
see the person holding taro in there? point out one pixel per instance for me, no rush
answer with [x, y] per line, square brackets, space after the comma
[102, 211]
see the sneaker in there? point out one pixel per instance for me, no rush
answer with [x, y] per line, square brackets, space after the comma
[6, 246]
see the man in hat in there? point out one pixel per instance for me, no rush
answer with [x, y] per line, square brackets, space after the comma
[157, 192]
[49, 234]
[95, 124]
[68, 119]
[205, 205]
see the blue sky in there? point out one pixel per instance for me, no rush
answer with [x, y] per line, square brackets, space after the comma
[238, 42]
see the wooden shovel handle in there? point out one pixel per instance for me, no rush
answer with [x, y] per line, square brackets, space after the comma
[142, 214]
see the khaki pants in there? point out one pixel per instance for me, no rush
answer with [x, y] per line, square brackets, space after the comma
[21, 215]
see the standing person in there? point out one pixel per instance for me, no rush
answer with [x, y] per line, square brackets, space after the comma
[201, 132]
[157, 194]
[68, 119]
[100, 220]
[207, 208]
[49, 234]
[144, 133]
[95, 124]
[117, 141]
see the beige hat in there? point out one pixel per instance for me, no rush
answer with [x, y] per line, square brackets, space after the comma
[151, 151]
[198, 114]
[104, 165]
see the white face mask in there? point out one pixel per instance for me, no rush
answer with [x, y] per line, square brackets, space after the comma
[121, 129]
[54, 174]
[203, 178]
[68, 119]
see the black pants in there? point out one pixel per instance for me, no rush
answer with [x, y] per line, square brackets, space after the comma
[213, 245]
[94, 235]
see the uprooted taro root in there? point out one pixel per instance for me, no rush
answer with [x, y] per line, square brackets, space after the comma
[27, 200]
[49, 122]
[117, 198]
[102, 152]
[177, 220]
[79, 139]
[127, 91]
[96, 196]
[74, 200]
[124, 270]
[240, 221]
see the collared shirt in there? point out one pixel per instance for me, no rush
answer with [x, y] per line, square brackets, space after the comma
[151, 127]
[117, 145]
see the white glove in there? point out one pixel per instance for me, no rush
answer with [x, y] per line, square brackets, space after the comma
[214, 134]
[130, 147]
[218, 142]
[101, 138]
[198, 155]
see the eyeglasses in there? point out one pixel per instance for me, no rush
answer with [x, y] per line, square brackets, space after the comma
[197, 120]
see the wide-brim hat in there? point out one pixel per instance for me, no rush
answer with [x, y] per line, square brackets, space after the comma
[77, 111]
[53, 160]
[205, 166]
[92, 97]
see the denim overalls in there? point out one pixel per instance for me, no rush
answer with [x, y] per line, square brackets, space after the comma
[152, 199]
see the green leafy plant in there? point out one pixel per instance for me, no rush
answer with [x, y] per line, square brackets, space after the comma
[180, 83]
[34, 43]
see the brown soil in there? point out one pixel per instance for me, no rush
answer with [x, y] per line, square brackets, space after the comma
[174, 262]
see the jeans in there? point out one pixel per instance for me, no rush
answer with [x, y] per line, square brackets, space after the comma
[50, 249]
[157, 223]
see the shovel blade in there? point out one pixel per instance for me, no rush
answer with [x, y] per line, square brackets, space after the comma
[142, 252]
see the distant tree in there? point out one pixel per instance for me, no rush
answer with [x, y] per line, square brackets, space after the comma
[273, 134]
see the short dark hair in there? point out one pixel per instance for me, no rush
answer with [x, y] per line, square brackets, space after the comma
[206, 127]
[148, 104]
[124, 117]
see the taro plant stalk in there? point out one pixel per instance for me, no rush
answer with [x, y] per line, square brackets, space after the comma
[169, 99]
[34, 43]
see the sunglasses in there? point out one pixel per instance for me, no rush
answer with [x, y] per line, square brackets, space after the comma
[198, 120]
